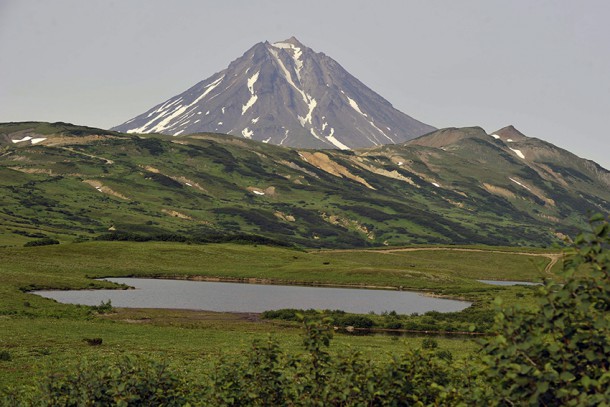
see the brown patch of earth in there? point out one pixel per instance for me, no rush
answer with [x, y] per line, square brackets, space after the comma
[176, 214]
[496, 190]
[104, 189]
[323, 162]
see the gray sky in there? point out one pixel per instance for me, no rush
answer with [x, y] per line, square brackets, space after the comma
[543, 66]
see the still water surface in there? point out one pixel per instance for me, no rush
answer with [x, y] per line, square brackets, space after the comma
[240, 297]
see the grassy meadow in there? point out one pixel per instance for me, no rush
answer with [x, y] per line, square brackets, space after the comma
[41, 334]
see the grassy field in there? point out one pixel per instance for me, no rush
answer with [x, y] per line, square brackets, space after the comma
[40, 333]
[190, 340]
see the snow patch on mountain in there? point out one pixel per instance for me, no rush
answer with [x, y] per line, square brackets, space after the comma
[313, 133]
[296, 55]
[30, 139]
[518, 152]
[518, 183]
[336, 142]
[286, 73]
[311, 103]
[382, 132]
[354, 105]
[163, 124]
[285, 137]
[247, 133]
[253, 97]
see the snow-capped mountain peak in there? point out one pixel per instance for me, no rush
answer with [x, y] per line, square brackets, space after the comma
[283, 93]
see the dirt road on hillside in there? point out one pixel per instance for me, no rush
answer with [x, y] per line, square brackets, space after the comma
[553, 257]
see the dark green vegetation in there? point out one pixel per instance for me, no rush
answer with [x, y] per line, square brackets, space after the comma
[478, 317]
[81, 183]
[558, 352]
[555, 352]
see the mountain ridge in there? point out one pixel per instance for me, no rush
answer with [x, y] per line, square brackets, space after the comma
[76, 182]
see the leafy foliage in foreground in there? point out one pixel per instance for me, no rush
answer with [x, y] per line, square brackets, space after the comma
[555, 354]
[127, 382]
[265, 375]
[558, 353]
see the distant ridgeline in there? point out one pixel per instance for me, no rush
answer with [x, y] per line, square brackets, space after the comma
[452, 186]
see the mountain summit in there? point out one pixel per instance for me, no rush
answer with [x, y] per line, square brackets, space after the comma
[283, 93]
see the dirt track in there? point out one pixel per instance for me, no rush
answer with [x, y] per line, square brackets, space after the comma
[553, 257]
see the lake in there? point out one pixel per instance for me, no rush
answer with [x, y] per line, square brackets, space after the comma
[242, 297]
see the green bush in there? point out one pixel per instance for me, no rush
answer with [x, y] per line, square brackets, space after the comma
[5, 355]
[357, 321]
[268, 376]
[264, 375]
[557, 353]
[393, 325]
[103, 308]
[129, 381]
[41, 242]
[429, 343]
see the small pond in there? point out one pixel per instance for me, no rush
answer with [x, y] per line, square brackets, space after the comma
[242, 297]
[498, 282]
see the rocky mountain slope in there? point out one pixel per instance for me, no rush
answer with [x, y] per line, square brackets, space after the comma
[453, 186]
[286, 94]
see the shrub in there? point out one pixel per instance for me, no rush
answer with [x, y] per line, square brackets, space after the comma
[5, 355]
[429, 343]
[393, 325]
[129, 381]
[357, 321]
[164, 180]
[94, 341]
[557, 353]
[41, 242]
[103, 308]
[154, 146]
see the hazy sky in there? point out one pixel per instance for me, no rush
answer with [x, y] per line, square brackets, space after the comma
[543, 66]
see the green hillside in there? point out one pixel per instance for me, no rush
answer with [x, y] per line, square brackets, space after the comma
[75, 183]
